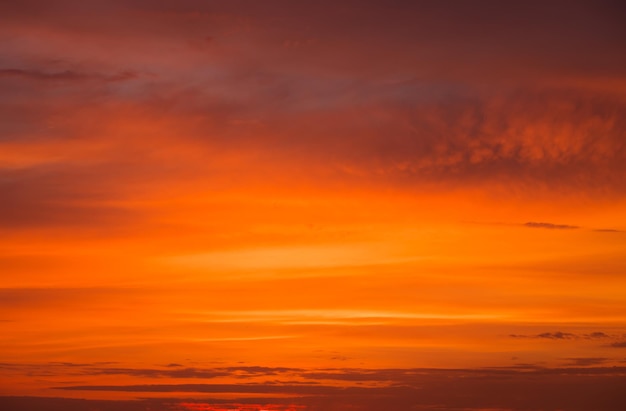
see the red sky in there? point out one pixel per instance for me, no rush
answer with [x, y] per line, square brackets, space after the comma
[312, 205]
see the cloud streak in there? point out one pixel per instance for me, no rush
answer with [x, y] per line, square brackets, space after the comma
[426, 387]
[559, 335]
[550, 226]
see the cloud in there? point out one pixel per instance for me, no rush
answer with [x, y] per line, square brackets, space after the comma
[550, 226]
[159, 373]
[180, 371]
[434, 99]
[575, 389]
[619, 344]
[70, 404]
[559, 335]
[585, 361]
[170, 371]
[597, 334]
[301, 389]
[167, 404]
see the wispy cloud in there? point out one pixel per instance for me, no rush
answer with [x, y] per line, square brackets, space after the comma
[559, 335]
[550, 226]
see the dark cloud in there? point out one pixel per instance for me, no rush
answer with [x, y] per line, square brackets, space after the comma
[571, 388]
[180, 371]
[422, 37]
[579, 386]
[597, 334]
[585, 361]
[159, 373]
[356, 375]
[558, 335]
[72, 364]
[167, 404]
[432, 95]
[301, 389]
[619, 344]
[170, 371]
[453, 137]
[550, 226]
[67, 404]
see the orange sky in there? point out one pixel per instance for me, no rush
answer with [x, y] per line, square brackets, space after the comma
[312, 206]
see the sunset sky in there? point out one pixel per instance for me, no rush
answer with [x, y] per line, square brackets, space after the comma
[286, 205]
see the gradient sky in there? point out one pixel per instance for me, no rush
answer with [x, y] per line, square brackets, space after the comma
[312, 205]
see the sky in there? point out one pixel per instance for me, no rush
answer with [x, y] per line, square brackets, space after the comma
[240, 205]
